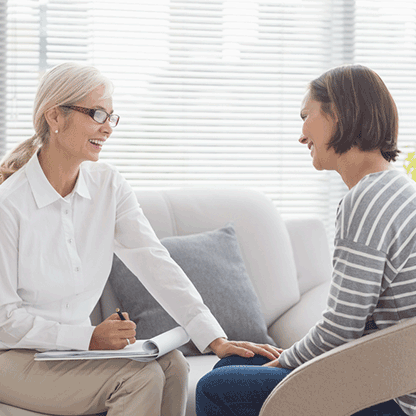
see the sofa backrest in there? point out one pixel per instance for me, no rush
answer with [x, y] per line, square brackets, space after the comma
[262, 235]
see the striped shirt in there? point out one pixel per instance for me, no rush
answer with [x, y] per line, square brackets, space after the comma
[374, 277]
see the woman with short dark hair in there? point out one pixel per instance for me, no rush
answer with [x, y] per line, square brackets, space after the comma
[366, 112]
[350, 125]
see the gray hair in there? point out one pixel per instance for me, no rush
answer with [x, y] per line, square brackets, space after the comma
[65, 84]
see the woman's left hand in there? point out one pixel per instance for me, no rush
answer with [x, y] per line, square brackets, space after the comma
[274, 363]
[224, 348]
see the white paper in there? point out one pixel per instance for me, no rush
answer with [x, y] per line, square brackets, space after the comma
[141, 350]
[166, 342]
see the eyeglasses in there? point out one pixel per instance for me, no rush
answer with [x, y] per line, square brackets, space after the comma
[100, 116]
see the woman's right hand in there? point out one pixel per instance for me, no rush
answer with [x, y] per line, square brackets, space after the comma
[112, 334]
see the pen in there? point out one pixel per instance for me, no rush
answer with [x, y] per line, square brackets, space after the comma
[120, 314]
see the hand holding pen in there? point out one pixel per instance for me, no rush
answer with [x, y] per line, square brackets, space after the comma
[120, 314]
[115, 333]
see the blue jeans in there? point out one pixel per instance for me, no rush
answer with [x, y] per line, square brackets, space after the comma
[239, 386]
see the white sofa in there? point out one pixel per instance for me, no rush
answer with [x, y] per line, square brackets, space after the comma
[290, 268]
[289, 264]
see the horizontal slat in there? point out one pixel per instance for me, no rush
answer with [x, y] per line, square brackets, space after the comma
[209, 92]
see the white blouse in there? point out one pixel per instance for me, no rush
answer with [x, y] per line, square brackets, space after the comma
[56, 254]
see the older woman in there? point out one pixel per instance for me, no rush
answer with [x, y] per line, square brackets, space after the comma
[350, 125]
[61, 218]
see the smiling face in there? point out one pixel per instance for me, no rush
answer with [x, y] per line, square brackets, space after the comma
[318, 128]
[79, 137]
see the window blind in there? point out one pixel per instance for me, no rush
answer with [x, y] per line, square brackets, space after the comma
[3, 44]
[40, 34]
[386, 42]
[210, 95]
[209, 91]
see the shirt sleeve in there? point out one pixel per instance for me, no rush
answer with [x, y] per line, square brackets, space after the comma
[18, 328]
[353, 296]
[140, 249]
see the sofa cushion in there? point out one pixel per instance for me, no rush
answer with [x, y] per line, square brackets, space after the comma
[262, 236]
[213, 263]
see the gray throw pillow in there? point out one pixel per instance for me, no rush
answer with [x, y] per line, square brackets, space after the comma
[213, 263]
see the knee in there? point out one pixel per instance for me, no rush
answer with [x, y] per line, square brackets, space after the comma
[238, 360]
[137, 380]
[207, 384]
[177, 364]
[206, 399]
[150, 377]
[200, 387]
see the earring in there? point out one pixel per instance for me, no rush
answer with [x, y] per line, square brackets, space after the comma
[56, 131]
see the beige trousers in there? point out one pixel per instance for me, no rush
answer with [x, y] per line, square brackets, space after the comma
[122, 387]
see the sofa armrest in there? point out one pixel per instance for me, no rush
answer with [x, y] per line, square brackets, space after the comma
[294, 324]
[373, 369]
[311, 252]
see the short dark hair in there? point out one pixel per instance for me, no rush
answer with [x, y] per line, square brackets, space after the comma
[366, 112]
